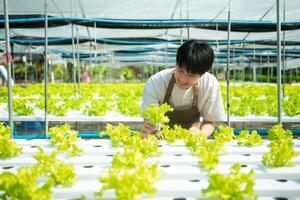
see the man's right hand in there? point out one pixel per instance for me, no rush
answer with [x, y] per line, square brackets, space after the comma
[147, 128]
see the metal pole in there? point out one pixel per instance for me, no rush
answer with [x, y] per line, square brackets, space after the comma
[283, 60]
[46, 69]
[95, 50]
[78, 61]
[243, 70]
[8, 61]
[243, 62]
[180, 14]
[254, 65]
[13, 71]
[227, 66]
[279, 63]
[30, 63]
[260, 78]
[73, 61]
[188, 17]
[25, 65]
[73, 50]
[268, 63]
[234, 66]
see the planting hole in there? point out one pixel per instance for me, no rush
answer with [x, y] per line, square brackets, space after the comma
[165, 166]
[97, 145]
[246, 154]
[7, 167]
[280, 198]
[282, 180]
[243, 165]
[178, 154]
[88, 166]
[195, 180]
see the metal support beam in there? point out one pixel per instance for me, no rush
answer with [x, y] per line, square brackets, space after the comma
[227, 66]
[78, 60]
[46, 68]
[279, 63]
[8, 61]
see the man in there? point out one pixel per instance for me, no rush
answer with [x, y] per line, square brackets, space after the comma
[189, 89]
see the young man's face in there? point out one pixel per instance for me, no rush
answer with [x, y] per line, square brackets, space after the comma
[184, 80]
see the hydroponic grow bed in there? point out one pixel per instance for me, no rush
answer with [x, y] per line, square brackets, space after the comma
[182, 178]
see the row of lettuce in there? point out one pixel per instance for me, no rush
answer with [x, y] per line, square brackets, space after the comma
[129, 176]
[98, 99]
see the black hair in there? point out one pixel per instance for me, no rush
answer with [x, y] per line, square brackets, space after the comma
[194, 56]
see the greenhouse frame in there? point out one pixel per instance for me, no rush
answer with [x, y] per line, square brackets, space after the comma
[78, 138]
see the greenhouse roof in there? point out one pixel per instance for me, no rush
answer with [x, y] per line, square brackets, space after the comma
[107, 27]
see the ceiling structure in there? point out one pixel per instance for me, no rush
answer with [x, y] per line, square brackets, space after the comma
[148, 32]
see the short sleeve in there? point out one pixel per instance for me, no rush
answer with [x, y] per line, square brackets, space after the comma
[150, 95]
[213, 109]
[155, 88]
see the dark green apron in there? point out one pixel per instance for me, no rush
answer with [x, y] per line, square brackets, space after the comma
[184, 117]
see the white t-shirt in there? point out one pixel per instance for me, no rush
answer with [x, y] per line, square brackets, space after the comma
[210, 102]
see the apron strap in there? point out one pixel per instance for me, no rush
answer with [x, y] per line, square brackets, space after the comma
[195, 94]
[169, 90]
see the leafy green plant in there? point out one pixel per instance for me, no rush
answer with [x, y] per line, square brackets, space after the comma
[147, 147]
[224, 133]
[129, 159]
[156, 114]
[259, 107]
[65, 139]
[129, 176]
[171, 135]
[8, 148]
[122, 135]
[236, 185]
[129, 106]
[117, 134]
[23, 185]
[280, 154]
[193, 141]
[272, 108]
[208, 153]
[281, 148]
[57, 108]
[98, 107]
[130, 183]
[277, 132]
[243, 107]
[55, 169]
[75, 104]
[21, 107]
[247, 99]
[247, 139]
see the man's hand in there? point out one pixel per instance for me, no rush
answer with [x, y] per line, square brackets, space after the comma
[206, 128]
[147, 128]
